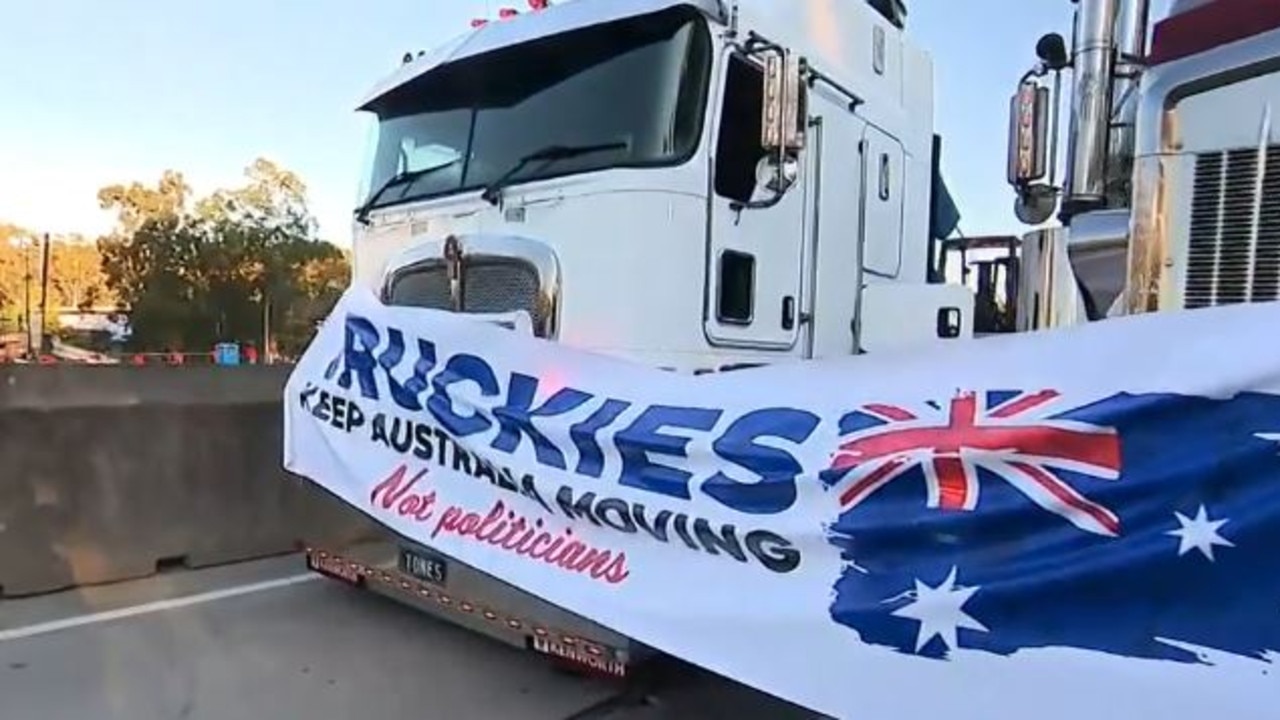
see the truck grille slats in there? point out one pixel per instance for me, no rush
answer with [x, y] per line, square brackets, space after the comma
[421, 288]
[489, 286]
[501, 286]
[1234, 245]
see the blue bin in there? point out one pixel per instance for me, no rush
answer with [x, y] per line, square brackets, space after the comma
[227, 353]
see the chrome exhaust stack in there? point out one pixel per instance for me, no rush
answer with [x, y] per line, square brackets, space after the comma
[1093, 65]
[1099, 236]
[1082, 279]
[1130, 49]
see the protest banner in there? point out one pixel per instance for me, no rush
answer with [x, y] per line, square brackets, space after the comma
[1077, 523]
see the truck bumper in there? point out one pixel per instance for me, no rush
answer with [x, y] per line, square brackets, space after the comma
[464, 596]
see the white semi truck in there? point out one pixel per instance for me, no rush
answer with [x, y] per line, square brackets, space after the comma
[703, 186]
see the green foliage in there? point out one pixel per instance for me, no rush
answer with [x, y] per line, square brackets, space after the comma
[226, 267]
[76, 279]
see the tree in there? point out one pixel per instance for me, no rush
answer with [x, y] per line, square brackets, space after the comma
[229, 266]
[321, 273]
[273, 198]
[135, 204]
[10, 267]
[19, 266]
[75, 277]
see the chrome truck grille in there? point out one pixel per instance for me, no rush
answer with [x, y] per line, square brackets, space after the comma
[494, 276]
[1234, 246]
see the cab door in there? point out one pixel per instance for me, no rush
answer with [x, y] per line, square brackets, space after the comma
[753, 255]
[883, 160]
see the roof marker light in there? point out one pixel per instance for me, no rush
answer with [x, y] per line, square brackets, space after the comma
[507, 13]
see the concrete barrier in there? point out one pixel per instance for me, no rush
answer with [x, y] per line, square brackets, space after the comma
[107, 473]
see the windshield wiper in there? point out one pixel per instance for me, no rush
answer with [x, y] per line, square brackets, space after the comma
[549, 153]
[362, 212]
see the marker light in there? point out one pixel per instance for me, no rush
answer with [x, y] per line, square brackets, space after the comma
[507, 13]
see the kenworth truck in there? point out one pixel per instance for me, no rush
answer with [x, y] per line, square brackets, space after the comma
[704, 186]
[1170, 198]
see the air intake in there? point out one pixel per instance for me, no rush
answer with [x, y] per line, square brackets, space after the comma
[1234, 245]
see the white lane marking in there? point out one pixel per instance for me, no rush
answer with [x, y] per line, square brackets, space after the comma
[152, 607]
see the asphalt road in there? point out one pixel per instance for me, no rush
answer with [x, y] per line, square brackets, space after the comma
[267, 640]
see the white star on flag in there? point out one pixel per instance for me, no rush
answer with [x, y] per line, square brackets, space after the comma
[1200, 534]
[1271, 437]
[940, 612]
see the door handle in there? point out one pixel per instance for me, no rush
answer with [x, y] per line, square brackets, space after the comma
[788, 312]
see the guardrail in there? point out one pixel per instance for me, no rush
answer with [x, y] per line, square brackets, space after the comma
[135, 359]
[109, 473]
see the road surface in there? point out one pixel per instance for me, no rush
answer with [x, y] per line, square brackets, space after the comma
[268, 640]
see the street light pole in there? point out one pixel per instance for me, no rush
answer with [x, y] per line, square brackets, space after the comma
[266, 328]
[26, 295]
[46, 343]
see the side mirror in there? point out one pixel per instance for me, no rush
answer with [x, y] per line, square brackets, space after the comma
[1035, 204]
[1052, 51]
[1029, 113]
[782, 124]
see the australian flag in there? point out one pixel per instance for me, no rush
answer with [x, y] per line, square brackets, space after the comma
[1144, 526]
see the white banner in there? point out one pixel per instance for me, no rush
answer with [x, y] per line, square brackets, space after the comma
[1083, 523]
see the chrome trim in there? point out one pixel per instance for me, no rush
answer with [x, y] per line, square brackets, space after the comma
[432, 254]
[1131, 47]
[1148, 255]
[1159, 148]
[452, 253]
[810, 293]
[1097, 246]
[1047, 294]
[860, 267]
[1090, 104]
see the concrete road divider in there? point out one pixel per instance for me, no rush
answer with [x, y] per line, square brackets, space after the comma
[109, 472]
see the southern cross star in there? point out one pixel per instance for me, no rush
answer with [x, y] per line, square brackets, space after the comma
[1199, 533]
[1270, 437]
[940, 612]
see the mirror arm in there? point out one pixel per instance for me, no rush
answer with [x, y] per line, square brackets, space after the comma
[757, 204]
[757, 44]
[813, 76]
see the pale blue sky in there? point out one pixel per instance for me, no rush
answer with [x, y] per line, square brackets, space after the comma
[97, 92]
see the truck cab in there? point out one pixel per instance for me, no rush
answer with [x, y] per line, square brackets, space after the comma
[693, 185]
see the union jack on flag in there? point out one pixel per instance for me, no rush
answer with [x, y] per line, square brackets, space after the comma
[1007, 433]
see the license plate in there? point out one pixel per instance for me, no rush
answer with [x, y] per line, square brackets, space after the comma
[424, 566]
[608, 664]
[334, 568]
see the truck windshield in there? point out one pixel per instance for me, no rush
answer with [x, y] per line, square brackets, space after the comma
[637, 86]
